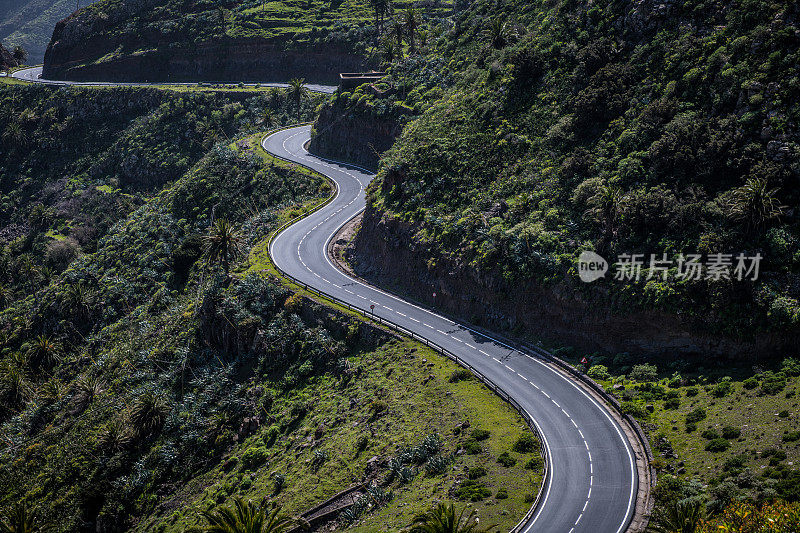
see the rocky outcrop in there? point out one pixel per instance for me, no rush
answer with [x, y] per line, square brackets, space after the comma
[92, 46]
[354, 134]
[386, 253]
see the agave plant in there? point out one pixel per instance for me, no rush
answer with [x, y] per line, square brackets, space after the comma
[444, 518]
[116, 436]
[148, 413]
[14, 386]
[87, 389]
[756, 204]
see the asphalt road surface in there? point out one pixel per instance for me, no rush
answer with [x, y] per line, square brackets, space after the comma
[593, 481]
[33, 74]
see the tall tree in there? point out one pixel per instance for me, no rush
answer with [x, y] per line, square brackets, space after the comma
[297, 91]
[411, 22]
[222, 243]
[398, 30]
[381, 8]
[20, 54]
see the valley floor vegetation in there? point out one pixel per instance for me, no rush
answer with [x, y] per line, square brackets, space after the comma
[153, 371]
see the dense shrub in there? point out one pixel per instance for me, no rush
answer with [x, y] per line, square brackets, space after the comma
[525, 443]
[598, 372]
[644, 373]
[717, 445]
[480, 434]
[696, 415]
[472, 490]
[506, 460]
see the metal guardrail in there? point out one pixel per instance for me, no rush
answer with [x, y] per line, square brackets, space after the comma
[527, 350]
[370, 316]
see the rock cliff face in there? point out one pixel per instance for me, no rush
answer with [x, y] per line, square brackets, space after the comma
[90, 46]
[386, 253]
[354, 135]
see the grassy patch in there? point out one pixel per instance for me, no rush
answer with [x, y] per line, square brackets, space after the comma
[420, 400]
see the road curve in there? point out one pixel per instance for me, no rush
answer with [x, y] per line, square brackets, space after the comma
[593, 480]
[33, 74]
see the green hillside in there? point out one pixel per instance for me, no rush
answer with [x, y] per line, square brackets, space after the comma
[542, 129]
[267, 41]
[141, 385]
[30, 23]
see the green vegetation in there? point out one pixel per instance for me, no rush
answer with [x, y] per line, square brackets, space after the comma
[538, 130]
[712, 449]
[338, 34]
[157, 376]
[445, 518]
[29, 23]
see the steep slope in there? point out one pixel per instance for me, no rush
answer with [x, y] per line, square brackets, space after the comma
[556, 127]
[30, 23]
[174, 40]
[141, 384]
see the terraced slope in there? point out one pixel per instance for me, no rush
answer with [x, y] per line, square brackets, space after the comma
[177, 40]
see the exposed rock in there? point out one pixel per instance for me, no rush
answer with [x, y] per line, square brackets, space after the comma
[353, 135]
[90, 46]
[386, 252]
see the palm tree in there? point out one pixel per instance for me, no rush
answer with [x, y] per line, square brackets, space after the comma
[77, 300]
[297, 91]
[43, 352]
[411, 23]
[387, 52]
[222, 243]
[381, 7]
[443, 519]
[398, 30]
[606, 205]
[497, 33]
[268, 118]
[248, 517]
[20, 54]
[681, 517]
[756, 204]
[21, 519]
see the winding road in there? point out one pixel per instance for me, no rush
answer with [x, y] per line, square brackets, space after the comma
[34, 75]
[592, 482]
